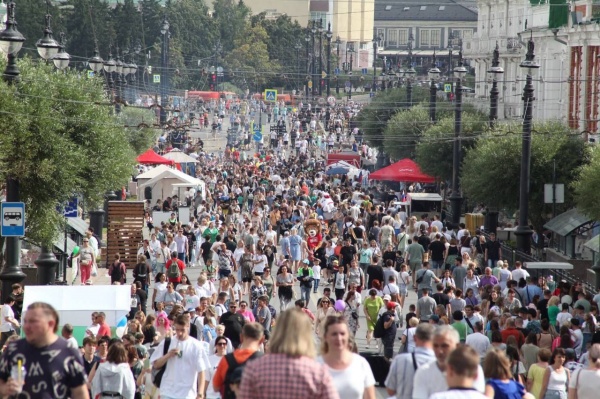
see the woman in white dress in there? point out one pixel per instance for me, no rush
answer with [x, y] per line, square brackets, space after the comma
[351, 373]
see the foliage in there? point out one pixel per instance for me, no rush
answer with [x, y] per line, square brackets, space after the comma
[586, 186]
[139, 128]
[403, 132]
[491, 169]
[434, 151]
[62, 141]
[372, 120]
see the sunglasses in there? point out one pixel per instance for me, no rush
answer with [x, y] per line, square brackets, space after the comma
[222, 344]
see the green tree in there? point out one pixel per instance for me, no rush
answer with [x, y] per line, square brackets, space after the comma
[434, 151]
[87, 21]
[139, 123]
[586, 185]
[230, 20]
[62, 141]
[491, 169]
[404, 130]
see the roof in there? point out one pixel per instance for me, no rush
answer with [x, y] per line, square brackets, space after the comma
[405, 170]
[593, 244]
[152, 158]
[59, 244]
[151, 173]
[179, 157]
[566, 223]
[78, 224]
[174, 174]
[414, 10]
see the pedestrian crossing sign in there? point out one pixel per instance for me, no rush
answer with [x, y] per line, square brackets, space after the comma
[90, 74]
[156, 78]
[271, 95]
[447, 87]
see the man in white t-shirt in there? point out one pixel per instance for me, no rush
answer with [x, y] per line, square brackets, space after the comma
[8, 324]
[478, 341]
[462, 372]
[519, 272]
[430, 378]
[67, 333]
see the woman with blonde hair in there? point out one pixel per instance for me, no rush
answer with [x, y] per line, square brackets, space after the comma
[351, 373]
[292, 352]
[408, 336]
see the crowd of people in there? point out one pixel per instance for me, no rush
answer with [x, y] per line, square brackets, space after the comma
[276, 228]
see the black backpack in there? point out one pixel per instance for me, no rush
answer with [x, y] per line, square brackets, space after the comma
[379, 328]
[235, 369]
[117, 272]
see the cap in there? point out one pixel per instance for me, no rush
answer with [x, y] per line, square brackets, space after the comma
[391, 305]
[320, 217]
[306, 261]
[435, 318]
[191, 310]
[387, 298]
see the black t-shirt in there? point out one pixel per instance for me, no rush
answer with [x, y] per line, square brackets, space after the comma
[437, 249]
[149, 334]
[205, 247]
[143, 299]
[347, 253]
[441, 299]
[374, 272]
[542, 306]
[233, 322]
[89, 365]
[51, 371]
[493, 248]
[410, 316]
[424, 241]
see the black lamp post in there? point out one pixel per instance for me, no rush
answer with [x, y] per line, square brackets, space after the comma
[409, 73]
[218, 69]
[96, 63]
[110, 66]
[456, 197]
[523, 232]
[164, 79]
[450, 46]
[320, 32]
[495, 72]
[307, 38]
[328, 36]
[47, 47]
[338, 43]
[119, 83]
[351, 51]
[298, 47]
[62, 58]
[313, 30]
[434, 74]
[376, 39]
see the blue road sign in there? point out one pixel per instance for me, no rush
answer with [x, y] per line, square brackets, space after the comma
[13, 219]
[70, 209]
[337, 71]
[364, 71]
[257, 135]
[271, 95]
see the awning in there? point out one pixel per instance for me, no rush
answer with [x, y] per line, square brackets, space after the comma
[593, 244]
[404, 170]
[78, 224]
[566, 223]
[59, 245]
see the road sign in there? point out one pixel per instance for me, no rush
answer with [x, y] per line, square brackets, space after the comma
[364, 71]
[331, 100]
[337, 71]
[447, 87]
[13, 219]
[549, 197]
[156, 78]
[310, 84]
[323, 75]
[70, 210]
[90, 74]
[257, 136]
[271, 95]
[320, 100]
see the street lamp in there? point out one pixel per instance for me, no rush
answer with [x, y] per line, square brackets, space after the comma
[47, 47]
[456, 198]
[11, 41]
[410, 72]
[320, 31]
[328, 36]
[523, 231]
[62, 59]
[338, 43]
[298, 47]
[376, 39]
[96, 63]
[109, 67]
[164, 79]
[433, 74]
[313, 31]
[450, 47]
[495, 72]
[307, 39]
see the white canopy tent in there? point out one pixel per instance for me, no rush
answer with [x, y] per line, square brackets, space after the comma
[163, 185]
[151, 173]
[179, 157]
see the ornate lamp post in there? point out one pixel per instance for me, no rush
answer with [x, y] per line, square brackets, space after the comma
[523, 232]
[313, 30]
[410, 72]
[164, 79]
[62, 59]
[307, 39]
[376, 40]
[320, 32]
[338, 43]
[495, 72]
[298, 47]
[47, 47]
[456, 197]
[328, 36]
[433, 74]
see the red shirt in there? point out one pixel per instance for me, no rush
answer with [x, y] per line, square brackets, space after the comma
[515, 333]
[181, 266]
[104, 330]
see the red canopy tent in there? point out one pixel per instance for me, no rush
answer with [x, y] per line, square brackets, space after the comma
[404, 170]
[152, 158]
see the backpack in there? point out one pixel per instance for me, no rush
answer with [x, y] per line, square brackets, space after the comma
[173, 271]
[116, 273]
[234, 369]
[140, 271]
[379, 328]
[157, 374]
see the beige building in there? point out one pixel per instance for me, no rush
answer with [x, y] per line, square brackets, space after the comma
[298, 10]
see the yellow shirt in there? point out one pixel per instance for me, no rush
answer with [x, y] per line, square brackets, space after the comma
[536, 374]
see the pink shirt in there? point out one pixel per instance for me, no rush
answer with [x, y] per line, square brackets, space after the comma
[248, 315]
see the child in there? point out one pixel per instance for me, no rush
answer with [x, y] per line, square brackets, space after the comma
[316, 269]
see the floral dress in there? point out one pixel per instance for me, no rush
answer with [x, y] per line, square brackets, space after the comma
[351, 315]
[255, 292]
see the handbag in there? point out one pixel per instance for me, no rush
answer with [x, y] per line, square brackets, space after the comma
[94, 271]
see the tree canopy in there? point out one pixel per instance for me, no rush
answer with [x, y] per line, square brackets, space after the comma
[586, 186]
[491, 168]
[62, 140]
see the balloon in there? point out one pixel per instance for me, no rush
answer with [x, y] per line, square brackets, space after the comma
[339, 305]
[75, 251]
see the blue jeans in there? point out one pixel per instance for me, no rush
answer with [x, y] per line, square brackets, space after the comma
[305, 294]
[316, 284]
[181, 256]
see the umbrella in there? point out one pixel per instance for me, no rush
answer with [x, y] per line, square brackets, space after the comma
[337, 171]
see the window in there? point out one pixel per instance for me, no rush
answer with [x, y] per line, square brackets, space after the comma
[403, 37]
[381, 36]
[392, 39]
[442, 8]
[435, 37]
[423, 8]
[388, 8]
[424, 37]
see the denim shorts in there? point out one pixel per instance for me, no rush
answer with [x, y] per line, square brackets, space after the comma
[555, 394]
